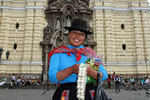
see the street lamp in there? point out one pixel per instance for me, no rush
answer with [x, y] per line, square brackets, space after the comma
[1, 52]
[7, 54]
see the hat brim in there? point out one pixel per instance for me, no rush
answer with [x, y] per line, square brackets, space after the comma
[72, 28]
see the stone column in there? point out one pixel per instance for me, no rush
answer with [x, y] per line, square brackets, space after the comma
[146, 37]
[28, 39]
[139, 42]
[98, 27]
[45, 71]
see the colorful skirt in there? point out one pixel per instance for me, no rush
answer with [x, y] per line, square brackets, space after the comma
[68, 91]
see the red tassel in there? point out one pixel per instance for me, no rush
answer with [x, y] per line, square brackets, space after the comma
[68, 54]
[78, 56]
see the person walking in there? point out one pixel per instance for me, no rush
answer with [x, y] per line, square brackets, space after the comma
[65, 61]
[117, 83]
[109, 81]
[13, 79]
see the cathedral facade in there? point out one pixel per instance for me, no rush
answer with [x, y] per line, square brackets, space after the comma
[21, 30]
[121, 33]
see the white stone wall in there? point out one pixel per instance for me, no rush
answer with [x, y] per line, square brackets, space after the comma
[29, 14]
[108, 16]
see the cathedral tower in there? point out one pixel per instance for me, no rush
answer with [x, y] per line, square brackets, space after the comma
[122, 34]
[21, 30]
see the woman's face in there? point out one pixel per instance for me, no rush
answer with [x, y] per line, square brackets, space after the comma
[76, 38]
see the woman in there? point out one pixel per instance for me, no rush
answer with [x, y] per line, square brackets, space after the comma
[109, 81]
[65, 61]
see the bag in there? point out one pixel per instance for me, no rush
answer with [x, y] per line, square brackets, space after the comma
[100, 93]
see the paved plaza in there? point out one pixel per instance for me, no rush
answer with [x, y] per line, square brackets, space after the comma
[40, 94]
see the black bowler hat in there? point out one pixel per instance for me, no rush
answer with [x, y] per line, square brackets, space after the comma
[79, 25]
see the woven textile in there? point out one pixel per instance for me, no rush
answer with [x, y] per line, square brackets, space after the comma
[77, 51]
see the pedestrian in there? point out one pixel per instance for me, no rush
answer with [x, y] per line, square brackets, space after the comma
[33, 81]
[126, 83]
[65, 61]
[3, 81]
[121, 79]
[28, 82]
[18, 82]
[13, 79]
[23, 81]
[109, 81]
[113, 76]
[39, 81]
[117, 84]
[142, 81]
[147, 81]
[132, 81]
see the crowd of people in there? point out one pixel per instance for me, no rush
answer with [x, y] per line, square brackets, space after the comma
[22, 81]
[118, 80]
[145, 81]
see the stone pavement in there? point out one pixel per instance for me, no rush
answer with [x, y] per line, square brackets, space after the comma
[40, 94]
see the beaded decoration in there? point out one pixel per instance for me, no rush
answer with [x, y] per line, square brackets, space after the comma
[81, 82]
[83, 79]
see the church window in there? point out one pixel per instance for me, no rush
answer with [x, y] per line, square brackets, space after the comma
[15, 46]
[17, 25]
[124, 46]
[122, 26]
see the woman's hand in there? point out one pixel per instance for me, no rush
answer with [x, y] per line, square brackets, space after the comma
[90, 72]
[61, 75]
[93, 73]
[75, 68]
